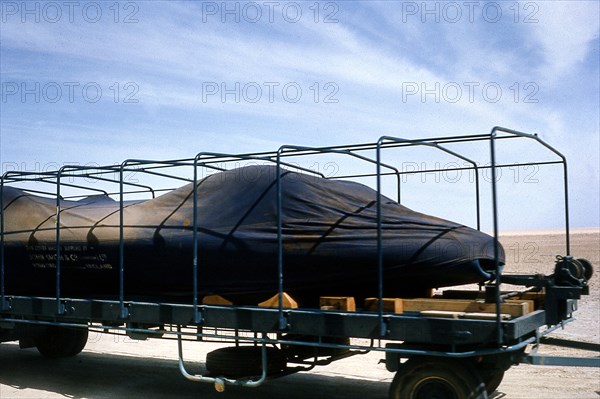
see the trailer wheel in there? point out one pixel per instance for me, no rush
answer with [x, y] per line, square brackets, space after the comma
[56, 342]
[425, 378]
[492, 380]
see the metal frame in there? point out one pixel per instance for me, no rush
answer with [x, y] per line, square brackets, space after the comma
[498, 336]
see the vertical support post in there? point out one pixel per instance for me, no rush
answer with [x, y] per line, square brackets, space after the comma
[566, 188]
[399, 190]
[496, 243]
[123, 310]
[282, 321]
[3, 305]
[477, 197]
[197, 318]
[59, 306]
[382, 326]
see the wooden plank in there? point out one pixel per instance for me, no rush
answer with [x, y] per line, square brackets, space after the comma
[485, 316]
[337, 303]
[462, 305]
[538, 298]
[391, 305]
[530, 303]
[443, 314]
[273, 302]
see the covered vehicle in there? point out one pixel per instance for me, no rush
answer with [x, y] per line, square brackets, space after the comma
[329, 242]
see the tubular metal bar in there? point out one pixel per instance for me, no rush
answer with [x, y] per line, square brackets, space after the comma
[197, 317]
[451, 152]
[367, 146]
[382, 325]
[214, 156]
[373, 146]
[318, 150]
[51, 175]
[282, 321]
[150, 189]
[569, 361]
[59, 308]
[123, 310]
[479, 167]
[565, 176]
[219, 157]
[406, 142]
[220, 381]
[282, 149]
[476, 170]
[3, 305]
[411, 352]
[565, 343]
[346, 152]
[498, 281]
[78, 186]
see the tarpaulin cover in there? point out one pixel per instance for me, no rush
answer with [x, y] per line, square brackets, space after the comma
[329, 242]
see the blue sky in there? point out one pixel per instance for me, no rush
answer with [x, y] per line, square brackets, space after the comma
[99, 82]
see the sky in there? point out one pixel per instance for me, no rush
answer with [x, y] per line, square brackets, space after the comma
[100, 82]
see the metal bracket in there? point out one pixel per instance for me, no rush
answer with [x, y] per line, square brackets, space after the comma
[5, 304]
[220, 382]
[543, 360]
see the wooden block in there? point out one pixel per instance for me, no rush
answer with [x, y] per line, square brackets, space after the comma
[337, 303]
[485, 316]
[391, 305]
[216, 300]
[538, 298]
[442, 314]
[530, 303]
[273, 302]
[463, 305]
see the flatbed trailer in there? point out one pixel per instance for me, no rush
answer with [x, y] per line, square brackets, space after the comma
[457, 344]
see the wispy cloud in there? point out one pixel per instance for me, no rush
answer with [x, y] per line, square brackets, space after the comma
[390, 70]
[567, 34]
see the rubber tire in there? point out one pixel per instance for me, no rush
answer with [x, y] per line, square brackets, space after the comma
[423, 378]
[58, 342]
[244, 361]
[492, 380]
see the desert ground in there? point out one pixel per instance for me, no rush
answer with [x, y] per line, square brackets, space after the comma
[118, 367]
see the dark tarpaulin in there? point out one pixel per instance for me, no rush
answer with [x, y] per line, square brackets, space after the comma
[329, 235]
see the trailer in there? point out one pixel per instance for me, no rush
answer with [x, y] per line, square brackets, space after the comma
[455, 344]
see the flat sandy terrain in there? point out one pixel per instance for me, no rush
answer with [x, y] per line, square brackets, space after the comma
[117, 367]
